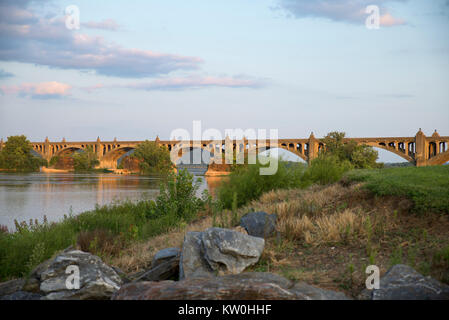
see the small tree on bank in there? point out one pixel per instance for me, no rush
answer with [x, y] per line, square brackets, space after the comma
[85, 160]
[17, 155]
[154, 159]
[360, 156]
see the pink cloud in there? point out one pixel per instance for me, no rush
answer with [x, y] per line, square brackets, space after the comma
[52, 89]
[388, 20]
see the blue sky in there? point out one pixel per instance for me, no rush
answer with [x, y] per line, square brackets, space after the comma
[137, 69]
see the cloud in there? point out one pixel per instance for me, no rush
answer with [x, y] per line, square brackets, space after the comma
[351, 11]
[178, 83]
[26, 37]
[42, 90]
[107, 24]
[5, 74]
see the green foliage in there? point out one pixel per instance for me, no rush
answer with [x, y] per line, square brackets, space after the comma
[155, 159]
[326, 169]
[16, 155]
[360, 156]
[85, 160]
[427, 187]
[117, 224]
[54, 160]
[246, 183]
[178, 196]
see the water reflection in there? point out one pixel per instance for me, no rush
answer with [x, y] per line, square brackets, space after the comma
[31, 196]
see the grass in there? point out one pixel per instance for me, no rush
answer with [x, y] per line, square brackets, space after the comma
[427, 187]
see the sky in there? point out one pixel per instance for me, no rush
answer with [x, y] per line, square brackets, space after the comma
[136, 69]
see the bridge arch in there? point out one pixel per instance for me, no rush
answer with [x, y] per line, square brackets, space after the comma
[290, 150]
[67, 151]
[110, 158]
[391, 147]
[439, 159]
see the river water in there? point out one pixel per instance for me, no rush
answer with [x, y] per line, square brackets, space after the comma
[31, 196]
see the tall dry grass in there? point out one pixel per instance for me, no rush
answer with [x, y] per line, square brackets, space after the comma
[319, 215]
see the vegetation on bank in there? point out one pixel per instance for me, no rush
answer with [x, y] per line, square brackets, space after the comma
[427, 187]
[104, 231]
[154, 159]
[17, 156]
[85, 160]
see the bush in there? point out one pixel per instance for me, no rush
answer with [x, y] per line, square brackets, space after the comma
[326, 169]
[178, 196]
[246, 184]
[85, 160]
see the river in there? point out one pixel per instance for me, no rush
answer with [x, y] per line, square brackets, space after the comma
[31, 196]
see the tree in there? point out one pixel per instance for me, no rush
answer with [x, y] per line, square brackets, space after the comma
[85, 160]
[154, 159]
[17, 155]
[360, 156]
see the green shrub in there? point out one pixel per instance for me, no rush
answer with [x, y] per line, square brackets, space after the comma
[177, 196]
[246, 183]
[326, 169]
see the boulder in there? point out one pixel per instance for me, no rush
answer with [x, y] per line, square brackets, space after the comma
[96, 279]
[402, 282]
[303, 291]
[11, 286]
[22, 295]
[259, 224]
[165, 255]
[192, 264]
[164, 270]
[244, 286]
[229, 251]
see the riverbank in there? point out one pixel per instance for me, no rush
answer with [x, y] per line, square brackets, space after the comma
[327, 234]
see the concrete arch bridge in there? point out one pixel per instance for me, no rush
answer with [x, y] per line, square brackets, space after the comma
[419, 150]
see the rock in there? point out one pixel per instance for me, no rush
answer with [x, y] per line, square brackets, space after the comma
[306, 292]
[11, 286]
[121, 274]
[167, 269]
[229, 251]
[259, 224]
[244, 286]
[192, 263]
[402, 282]
[165, 255]
[22, 295]
[97, 280]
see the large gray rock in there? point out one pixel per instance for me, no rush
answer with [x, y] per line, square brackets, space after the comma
[22, 295]
[165, 255]
[304, 291]
[244, 286]
[167, 269]
[97, 280]
[192, 264]
[259, 224]
[11, 286]
[230, 251]
[402, 282]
